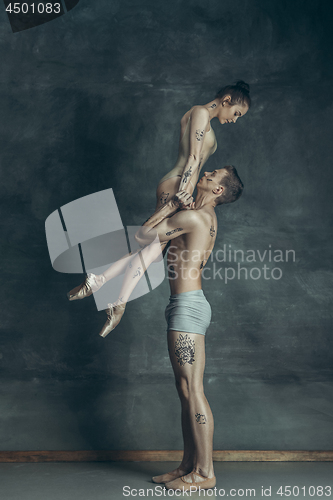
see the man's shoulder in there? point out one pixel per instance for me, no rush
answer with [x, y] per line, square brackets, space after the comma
[196, 218]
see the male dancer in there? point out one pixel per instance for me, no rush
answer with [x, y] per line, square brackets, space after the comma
[193, 234]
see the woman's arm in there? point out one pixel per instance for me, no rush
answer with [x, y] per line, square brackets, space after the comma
[199, 121]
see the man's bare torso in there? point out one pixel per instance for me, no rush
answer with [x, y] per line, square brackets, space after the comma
[188, 253]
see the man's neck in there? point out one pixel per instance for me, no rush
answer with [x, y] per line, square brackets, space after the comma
[204, 200]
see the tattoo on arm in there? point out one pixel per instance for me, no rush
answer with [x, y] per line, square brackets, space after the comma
[187, 174]
[212, 231]
[137, 272]
[202, 264]
[163, 198]
[185, 350]
[174, 231]
[201, 419]
[199, 134]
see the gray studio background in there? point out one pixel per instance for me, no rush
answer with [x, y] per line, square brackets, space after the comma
[93, 100]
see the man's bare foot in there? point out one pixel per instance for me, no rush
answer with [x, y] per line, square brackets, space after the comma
[169, 476]
[191, 480]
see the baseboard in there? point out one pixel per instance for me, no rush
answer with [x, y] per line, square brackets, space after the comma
[164, 456]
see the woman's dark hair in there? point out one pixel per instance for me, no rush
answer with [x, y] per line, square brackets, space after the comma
[239, 92]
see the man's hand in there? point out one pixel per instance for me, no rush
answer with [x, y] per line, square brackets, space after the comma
[182, 200]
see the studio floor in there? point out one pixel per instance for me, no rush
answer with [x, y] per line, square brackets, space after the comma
[119, 480]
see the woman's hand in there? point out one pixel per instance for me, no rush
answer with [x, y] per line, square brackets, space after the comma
[183, 200]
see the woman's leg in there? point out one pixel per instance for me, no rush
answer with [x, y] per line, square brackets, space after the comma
[165, 191]
[187, 355]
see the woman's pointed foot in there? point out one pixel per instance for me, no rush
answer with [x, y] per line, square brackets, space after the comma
[91, 284]
[114, 313]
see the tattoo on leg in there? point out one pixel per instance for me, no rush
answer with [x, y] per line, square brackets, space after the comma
[201, 419]
[164, 197]
[199, 134]
[212, 231]
[187, 174]
[174, 231]
[185, 350]
[137, 272]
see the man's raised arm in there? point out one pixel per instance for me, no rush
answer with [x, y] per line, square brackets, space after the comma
[164, 226]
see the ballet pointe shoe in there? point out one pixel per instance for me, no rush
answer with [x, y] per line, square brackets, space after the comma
[169, 476]
[181, 484]
[114, 314]
[91, 284]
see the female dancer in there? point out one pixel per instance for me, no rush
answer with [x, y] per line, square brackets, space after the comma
[197, 144]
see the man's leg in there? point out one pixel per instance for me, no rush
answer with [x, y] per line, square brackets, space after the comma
[187, 355]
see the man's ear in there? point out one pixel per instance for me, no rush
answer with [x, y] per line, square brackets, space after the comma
[219, 190]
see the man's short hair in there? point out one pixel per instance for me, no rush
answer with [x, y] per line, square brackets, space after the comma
[233, 186]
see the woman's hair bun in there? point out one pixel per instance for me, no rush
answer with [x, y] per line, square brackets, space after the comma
[239, 92]
[242, 85]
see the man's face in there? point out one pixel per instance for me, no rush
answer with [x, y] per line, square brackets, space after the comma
[212, 180]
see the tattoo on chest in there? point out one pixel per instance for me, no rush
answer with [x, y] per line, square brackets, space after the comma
[201, 419]
[185, 350]
[164, 197]
[212, 231]
[169, 233]
[199, 134]
[187, 174]
[137, 272]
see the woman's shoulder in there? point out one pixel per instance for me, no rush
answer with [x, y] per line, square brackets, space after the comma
[196, 112]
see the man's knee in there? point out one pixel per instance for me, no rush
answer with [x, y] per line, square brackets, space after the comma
[187, 388]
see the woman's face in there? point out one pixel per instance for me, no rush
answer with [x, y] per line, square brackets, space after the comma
[230, 114]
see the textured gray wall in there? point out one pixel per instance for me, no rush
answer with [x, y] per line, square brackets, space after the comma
[93, 100]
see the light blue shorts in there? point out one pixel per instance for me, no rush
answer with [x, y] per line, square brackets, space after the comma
[188, 312]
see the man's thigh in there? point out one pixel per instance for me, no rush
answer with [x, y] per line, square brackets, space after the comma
[187, 354]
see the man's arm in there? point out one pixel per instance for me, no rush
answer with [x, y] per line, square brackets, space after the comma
[182, 199]
[181, 223]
